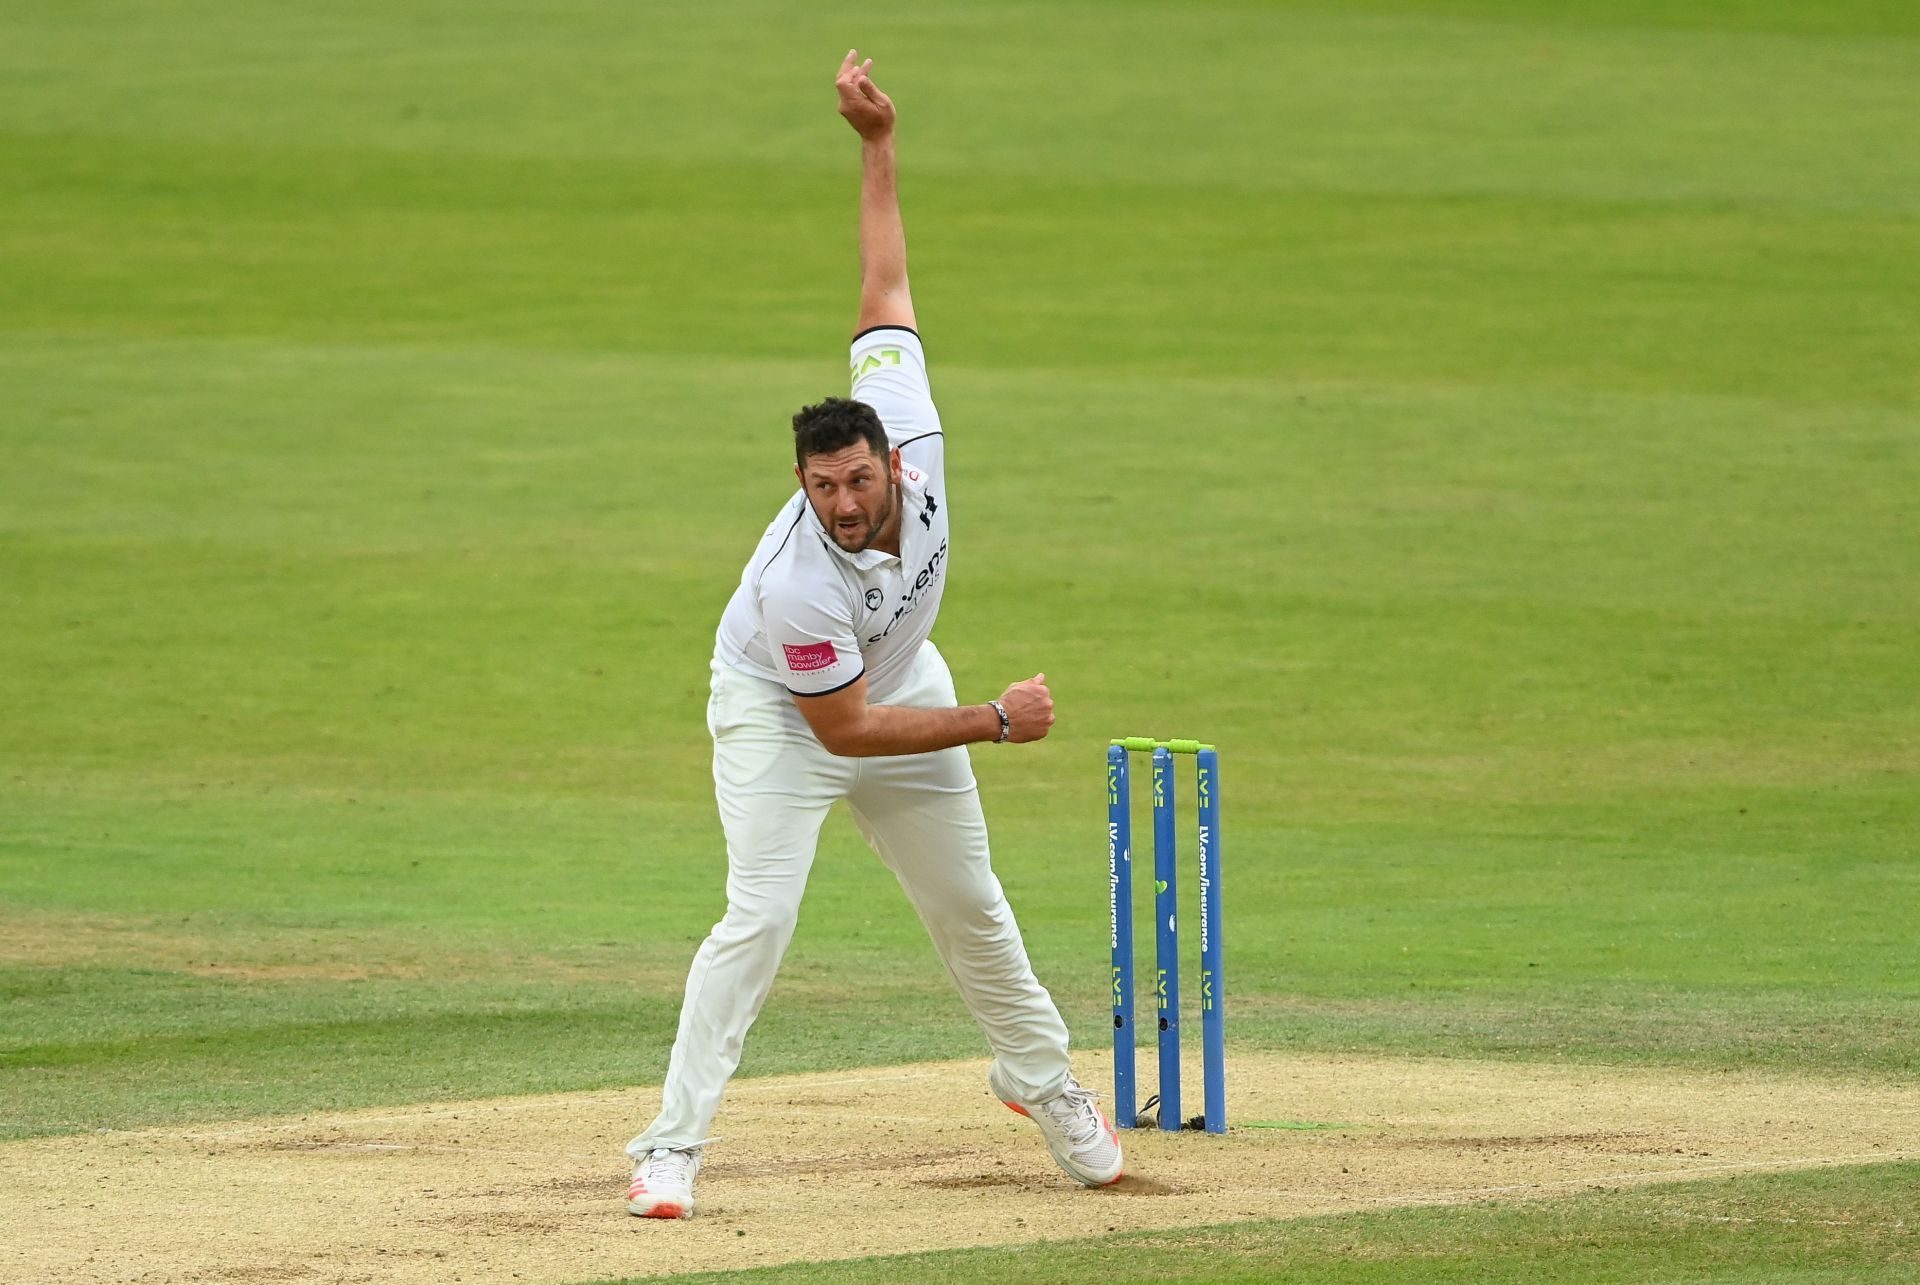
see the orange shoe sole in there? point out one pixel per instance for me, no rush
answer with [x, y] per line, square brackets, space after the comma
[664, 1211]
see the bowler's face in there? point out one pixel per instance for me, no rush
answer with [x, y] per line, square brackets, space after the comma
[856, 494]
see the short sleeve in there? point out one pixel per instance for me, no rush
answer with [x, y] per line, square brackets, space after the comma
[890, 375]
[812, 642]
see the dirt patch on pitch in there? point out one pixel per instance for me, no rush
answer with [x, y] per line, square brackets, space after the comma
[875, 1162]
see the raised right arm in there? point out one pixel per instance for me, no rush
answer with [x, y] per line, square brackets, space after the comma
[884, 297]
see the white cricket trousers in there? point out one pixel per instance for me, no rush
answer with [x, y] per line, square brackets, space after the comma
[921, 813]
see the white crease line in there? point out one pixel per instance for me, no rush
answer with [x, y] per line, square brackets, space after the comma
[437, 1147]
[464, 1110]
[828, 1080]
[1441, 1196]
[450, 1111]
[816, 1113]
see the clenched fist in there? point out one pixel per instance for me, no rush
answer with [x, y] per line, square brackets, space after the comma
[1029, 709]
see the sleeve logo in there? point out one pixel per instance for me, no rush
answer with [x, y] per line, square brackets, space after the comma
[810, 657]
[884, 357]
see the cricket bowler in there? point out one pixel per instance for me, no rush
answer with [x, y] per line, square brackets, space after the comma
[827, 688]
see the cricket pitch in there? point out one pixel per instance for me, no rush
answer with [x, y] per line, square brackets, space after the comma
[883, 1161]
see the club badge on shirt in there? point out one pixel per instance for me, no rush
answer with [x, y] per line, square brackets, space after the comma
[809, 657]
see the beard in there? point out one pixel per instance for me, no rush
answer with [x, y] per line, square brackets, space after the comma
[874, 528]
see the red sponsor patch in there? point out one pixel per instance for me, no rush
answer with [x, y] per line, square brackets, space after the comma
[804, 660]
[913, 475]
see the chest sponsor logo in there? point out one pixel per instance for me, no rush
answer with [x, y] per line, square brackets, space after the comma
[916, 590]
[926, 514]
[874, 598]
[809, 657]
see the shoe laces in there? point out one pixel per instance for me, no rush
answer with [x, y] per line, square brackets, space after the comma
[1075, 1113]
[672, 1164]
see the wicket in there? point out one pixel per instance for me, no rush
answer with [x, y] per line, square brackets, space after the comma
[1166, 931]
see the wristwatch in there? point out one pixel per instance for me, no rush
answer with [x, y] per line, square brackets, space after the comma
[1006, 724]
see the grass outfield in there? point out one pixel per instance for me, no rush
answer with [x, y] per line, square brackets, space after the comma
[1496, 425]
[1846, 1225]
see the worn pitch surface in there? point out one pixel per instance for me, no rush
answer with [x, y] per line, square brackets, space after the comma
[882, 1161]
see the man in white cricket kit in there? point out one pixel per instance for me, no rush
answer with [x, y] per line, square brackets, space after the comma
[826, 687]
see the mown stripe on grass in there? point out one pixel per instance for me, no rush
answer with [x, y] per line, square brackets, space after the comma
[1851, 1224]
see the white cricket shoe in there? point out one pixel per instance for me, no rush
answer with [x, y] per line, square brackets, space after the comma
[662, 1185]
[1082, 1139]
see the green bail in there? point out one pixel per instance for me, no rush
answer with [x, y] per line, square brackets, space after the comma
[1146, 743]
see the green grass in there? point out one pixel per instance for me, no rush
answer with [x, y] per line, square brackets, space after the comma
[1525, 396]
[1839, 1225]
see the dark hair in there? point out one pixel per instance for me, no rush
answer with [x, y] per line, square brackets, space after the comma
[836, 424]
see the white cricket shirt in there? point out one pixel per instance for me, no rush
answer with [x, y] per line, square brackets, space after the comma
[814, 617]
